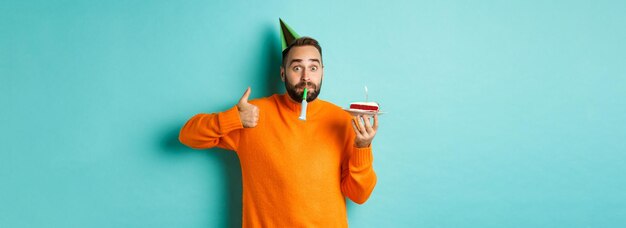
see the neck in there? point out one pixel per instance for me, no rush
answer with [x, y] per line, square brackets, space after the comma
[295, 101]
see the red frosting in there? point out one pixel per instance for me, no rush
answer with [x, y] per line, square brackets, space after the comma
[364, 107]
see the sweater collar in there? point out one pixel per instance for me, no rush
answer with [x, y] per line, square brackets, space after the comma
[312, 107]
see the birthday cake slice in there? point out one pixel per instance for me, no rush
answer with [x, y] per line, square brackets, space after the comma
[364, 106]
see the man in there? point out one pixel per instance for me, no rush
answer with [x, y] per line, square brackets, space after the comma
[295, 172]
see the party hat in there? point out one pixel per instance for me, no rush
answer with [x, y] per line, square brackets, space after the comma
[287, 35]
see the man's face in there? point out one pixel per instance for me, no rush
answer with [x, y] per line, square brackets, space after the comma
[303, 68]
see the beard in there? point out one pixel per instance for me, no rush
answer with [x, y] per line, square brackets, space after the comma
[312, 93]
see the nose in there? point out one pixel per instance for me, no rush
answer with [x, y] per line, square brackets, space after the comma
[305, 76]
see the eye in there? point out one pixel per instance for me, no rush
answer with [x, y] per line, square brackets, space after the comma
[313, 68]
[297, 68]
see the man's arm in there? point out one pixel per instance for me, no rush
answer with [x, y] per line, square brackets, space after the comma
[357, 175]
[220, 129]
[204, 131]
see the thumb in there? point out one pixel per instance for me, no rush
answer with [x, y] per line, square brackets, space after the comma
[244, 98]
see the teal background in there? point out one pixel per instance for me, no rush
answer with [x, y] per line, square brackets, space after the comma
[499, 114]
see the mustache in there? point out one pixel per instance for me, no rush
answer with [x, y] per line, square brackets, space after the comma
[306, 84]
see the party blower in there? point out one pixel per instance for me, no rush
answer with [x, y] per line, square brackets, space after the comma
[304, 104]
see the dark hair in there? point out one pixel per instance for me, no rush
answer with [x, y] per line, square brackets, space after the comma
[302, 41]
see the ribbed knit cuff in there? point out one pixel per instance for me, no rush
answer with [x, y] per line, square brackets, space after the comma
[361, 156]
[229, 120]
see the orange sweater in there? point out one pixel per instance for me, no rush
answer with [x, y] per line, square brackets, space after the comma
[295, 173]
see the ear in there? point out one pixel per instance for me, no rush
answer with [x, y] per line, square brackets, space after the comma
[282, 73]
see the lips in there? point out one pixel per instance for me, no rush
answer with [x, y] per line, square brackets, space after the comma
[309, 86]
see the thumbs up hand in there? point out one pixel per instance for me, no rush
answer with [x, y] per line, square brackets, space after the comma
[248, 113]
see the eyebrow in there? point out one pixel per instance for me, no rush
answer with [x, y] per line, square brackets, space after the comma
[300, 60]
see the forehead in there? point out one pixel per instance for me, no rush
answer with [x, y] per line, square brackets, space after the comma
[304, 52]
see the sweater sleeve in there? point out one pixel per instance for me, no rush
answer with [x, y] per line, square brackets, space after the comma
[204, 131]
[357, 175]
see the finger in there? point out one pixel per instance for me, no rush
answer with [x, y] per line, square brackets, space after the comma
[368, 125]
[360, 125]
[356, 124]
[356, 129]
[244, 98]
[375, 122]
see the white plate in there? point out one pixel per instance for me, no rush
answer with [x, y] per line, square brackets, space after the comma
[355, 112]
